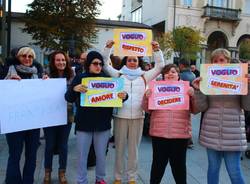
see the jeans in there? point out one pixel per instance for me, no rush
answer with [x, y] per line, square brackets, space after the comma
[232, 162]
[56, 138]
[100, 141]
[15, 143]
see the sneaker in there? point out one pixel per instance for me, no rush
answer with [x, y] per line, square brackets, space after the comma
[100, 182]
[132, 182]
[117, 182]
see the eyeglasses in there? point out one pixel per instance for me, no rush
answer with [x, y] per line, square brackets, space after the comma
[132, 60]
[97, 63]
[25, 56]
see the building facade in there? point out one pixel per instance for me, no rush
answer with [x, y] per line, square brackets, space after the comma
[224, 23]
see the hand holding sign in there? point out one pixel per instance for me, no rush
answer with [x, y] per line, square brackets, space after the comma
[122, 95]
[80, 88]
[15, 77]
[196, 83]
[155, 46]
[148, 93]
[110, 44]
[190, 91]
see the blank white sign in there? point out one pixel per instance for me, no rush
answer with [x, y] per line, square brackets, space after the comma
[32, 103]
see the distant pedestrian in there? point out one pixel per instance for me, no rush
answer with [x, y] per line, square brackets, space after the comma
[56, 138]
[195, 71]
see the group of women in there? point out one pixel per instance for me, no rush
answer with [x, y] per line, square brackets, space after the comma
[222, 129]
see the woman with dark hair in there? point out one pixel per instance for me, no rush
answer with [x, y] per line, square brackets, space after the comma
[92, 123]
[22, 68]
[57, 136]
[128, 120]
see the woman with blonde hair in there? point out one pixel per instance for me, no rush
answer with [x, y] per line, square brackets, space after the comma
[222, 130]
[23, 68]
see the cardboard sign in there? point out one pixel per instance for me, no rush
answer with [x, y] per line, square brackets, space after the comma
[32, 103]
[102, 92]
[224, 79]
[132, 42]
[169, 95]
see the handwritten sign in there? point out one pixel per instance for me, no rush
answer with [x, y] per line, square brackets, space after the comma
[132, 42]
[226, 79]
[32, 103]
[102, 92]
[169, 95]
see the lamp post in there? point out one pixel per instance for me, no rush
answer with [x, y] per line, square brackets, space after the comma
[3, 29]
[8, 27]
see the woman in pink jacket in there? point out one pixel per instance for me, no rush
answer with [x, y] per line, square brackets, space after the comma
[170, 131]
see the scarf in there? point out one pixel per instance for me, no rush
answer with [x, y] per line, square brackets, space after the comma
[131, 74]
[22, 69]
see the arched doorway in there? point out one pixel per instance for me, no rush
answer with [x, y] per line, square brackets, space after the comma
[243, 45]
[215, 40]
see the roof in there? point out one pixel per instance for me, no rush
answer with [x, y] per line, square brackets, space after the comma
[100, 22]
[104, 22]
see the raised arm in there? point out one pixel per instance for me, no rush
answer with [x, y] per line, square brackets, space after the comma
[108, 69]
[159, 63]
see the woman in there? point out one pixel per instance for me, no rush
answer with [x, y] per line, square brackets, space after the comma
[223, 127]
[57, 137]
[23, 69]
[128, 121]
[92, 123]
[170, 131]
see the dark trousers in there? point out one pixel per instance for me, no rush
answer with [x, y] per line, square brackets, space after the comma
[15, 141]
[56, 140]
[172, 150]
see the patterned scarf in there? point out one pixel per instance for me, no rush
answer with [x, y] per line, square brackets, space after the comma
[22, 69]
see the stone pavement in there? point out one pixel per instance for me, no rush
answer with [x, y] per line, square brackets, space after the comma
[196, 163]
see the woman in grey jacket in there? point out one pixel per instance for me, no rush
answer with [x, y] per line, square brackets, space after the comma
[223, 127]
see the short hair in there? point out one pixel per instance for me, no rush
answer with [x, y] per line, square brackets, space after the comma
[168, 67]
[26, 50]
[221, 51]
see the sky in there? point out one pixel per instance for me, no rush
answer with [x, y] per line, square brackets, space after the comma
[110, 9]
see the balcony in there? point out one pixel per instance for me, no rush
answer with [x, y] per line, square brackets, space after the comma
[219, 13]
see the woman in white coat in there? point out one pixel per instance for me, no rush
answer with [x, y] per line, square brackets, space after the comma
[128, 120]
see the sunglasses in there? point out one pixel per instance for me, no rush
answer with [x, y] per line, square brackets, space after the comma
[132, 60]
[25, 56]
[97, 63]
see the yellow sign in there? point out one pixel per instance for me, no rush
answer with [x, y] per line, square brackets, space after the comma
[132, 42]
[224, 79]
[102, 92]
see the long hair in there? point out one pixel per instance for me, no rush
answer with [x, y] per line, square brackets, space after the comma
[68, 72]
[124, 62]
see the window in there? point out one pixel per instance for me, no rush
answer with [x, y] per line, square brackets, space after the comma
[187, 2]
[247, 7]
[219, 3]
[137, 15]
